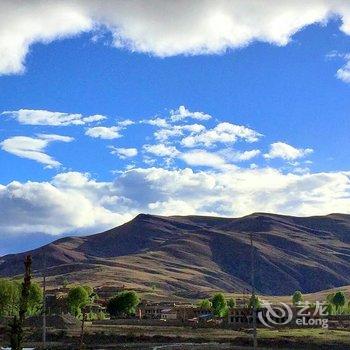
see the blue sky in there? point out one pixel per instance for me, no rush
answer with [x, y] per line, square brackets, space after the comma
[262, 125]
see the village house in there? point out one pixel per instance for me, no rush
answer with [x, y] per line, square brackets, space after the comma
[172, 311]
[151, 310]
[191, 312]
[168, 314]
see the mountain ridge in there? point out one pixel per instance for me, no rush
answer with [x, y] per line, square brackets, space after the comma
[190, 255]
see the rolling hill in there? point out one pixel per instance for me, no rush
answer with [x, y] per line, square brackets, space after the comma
[191, 256]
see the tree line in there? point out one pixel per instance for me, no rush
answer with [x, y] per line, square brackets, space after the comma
[336, 303]
[125, 303]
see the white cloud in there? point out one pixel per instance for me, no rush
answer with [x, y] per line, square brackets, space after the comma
[164, 135]
[123, 153]
[193, 128]
[204, 158]
[237, 156]
[33, 148]
[168, 131]
[344, 73]
[183, 113]
[93, 118]
[36, 21]
[286, 152]
[205, 27]
[159, 122]
[70, 202]
[42, 117]
[104, 132]
[75, 202]
[161, 150]
[126, 122]
[233, 192]
[221, 133]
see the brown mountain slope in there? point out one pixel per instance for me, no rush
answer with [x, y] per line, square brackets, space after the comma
[190, 256]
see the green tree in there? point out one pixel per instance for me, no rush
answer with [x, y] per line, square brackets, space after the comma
[205, 304]
[77, 298]
[35, 299]
[9, 297]
[231, 303]
[330, 308]
[123, 303]
[339, 301]
[254, 301]
[297, 297]
[92, 295]
[219, 305]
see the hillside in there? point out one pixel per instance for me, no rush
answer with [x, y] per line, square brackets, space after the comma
[190, 256]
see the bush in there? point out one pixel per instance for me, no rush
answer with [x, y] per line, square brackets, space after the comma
[123, 304]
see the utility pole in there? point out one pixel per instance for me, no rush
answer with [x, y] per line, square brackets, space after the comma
[44, 301]
[255, 340]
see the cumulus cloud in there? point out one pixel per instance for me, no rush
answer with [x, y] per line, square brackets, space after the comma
[161, 150]
[37, 21]
[221, 133]
[204, 158]
[183, 113]
[34, 148]
[104, 132]
[75, 202]
[126, 122]
[205, 27]
[159, 122]
[123, 153]
[168, 129]
[163, 135]
[174, 131]
[42, 117]
[286, 152]
[70, 202]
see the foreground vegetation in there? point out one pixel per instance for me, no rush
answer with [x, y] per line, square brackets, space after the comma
[79, 299]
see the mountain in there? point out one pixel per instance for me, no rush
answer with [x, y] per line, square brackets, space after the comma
[190, 256]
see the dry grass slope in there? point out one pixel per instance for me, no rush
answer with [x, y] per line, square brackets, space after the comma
[191, 256]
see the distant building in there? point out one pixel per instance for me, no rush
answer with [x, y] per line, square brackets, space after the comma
[168, 314]
[172, 311]
[192, 312]
[151, 310]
